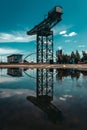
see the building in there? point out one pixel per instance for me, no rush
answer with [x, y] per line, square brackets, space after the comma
[59, 56]
[59, 52]
[14, 58]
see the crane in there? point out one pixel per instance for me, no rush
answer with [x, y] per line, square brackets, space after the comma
[45, 35]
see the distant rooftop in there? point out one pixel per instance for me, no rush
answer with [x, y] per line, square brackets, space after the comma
[15, 55]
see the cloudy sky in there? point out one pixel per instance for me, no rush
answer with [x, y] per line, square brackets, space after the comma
[19, 16]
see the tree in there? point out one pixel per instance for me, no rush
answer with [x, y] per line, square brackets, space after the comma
[72, 58]
[77, 57]
[84, 58]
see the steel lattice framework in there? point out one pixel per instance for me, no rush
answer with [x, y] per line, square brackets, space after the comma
[45, 35]
[45, 83]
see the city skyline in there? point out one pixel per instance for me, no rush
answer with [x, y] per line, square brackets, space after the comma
[17, 17]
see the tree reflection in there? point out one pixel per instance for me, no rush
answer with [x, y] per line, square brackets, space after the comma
[73, 73]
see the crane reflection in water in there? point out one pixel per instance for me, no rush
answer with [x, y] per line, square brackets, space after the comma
[44, 95]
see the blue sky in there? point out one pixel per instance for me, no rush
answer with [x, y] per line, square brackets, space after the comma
[18, 16]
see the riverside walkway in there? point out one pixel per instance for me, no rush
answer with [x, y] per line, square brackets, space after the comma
[34, 65]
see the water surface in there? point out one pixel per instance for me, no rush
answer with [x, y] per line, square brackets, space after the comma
[49, 99]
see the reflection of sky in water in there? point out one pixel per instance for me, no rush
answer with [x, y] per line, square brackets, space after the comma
[69, 96]
[14, 82]
[6, 93]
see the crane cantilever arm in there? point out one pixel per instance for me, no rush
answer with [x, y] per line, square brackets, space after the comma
[54, 16]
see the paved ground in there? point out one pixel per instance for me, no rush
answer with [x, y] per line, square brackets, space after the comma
[80, 66]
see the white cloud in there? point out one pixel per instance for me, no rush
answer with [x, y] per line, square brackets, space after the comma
[65, 35]
[5, 51]
[81, 46]
[59, 47]
[16, 37]
[70, 34]
[61, 28]
[62, 32]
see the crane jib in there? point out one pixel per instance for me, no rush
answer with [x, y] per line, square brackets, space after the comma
[54, 16]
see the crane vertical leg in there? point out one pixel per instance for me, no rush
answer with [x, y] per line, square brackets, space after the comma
[39, 49]
[45, 48]
[45, 84]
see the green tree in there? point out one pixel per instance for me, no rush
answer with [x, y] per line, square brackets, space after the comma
[77, 57]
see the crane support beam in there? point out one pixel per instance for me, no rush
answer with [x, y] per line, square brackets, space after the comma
[45, 83]
[45, 48]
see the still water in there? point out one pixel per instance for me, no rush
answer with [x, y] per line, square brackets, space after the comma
[43, 99]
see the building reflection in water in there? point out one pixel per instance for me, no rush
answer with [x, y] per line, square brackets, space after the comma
[15, 72]
[44, 95]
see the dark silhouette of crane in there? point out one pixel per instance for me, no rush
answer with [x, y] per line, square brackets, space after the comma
[45, 35]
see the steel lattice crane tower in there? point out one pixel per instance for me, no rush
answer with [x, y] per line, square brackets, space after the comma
[45, 35]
